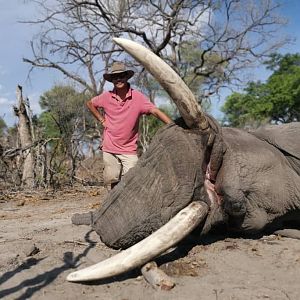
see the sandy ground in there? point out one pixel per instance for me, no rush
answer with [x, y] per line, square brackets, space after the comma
[40, 247]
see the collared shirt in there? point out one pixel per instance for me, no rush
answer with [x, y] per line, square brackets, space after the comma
[122, 119]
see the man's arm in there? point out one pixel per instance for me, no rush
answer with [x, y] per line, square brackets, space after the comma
[95, 112]
[160, 115]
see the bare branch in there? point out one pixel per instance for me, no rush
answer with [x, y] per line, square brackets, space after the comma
[231, 35]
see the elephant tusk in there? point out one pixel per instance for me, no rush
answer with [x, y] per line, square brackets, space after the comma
[182, 96]
[152, 246]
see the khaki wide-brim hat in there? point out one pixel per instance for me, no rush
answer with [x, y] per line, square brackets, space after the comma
[117, 68]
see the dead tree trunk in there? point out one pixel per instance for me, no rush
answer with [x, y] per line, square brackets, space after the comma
[24, 130]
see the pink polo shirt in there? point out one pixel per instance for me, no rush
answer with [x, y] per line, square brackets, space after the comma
[122, 120]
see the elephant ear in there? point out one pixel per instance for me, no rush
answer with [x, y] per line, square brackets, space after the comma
[285, 138]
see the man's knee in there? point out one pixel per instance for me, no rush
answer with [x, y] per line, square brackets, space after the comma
[112, 168]
[110, 176]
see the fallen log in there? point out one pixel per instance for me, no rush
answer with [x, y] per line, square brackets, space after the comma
[156, 277]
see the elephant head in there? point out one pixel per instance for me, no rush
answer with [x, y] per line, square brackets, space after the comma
[165, 192]
[195, 175]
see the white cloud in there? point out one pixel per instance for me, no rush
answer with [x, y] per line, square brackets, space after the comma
[4, 101]
[6, 111]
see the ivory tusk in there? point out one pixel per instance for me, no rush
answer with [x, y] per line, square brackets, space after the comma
[184, 99]
[152, 246]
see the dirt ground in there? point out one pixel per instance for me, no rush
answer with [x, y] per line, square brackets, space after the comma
[40, 247]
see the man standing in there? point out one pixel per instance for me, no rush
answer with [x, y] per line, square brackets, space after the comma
[122, 108]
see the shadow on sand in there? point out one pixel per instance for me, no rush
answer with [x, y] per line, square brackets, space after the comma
[38, 282]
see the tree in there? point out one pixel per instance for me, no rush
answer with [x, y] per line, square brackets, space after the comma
[3, 127]
[276, 101]
[75, 37]
[64, 121]
[22, 110]
[12, 158]
[149, 125]
[284, 88]
[64, 112]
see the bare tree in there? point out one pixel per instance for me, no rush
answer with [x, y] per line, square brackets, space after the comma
[231, 35]
[25, 134]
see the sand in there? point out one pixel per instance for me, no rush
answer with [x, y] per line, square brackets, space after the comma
[40, 247]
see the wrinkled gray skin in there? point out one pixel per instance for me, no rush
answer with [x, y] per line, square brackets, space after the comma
[251, 181]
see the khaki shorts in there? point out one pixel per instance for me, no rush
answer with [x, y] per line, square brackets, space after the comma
[116, 165]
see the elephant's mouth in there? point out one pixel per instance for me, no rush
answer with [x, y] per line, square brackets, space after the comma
[209, 186]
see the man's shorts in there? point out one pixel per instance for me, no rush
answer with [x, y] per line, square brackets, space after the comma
[116, 165]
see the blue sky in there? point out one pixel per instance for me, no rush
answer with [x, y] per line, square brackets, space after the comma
[291, 10]
[15, 45]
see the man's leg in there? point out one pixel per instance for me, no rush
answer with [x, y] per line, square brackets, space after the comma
[113, 165]
[111, 176]
[112, 170]
[128, 161]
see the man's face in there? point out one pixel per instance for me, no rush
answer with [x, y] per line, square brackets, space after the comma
[120, 80]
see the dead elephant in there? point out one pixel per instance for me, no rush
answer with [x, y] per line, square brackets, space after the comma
[198, 175]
